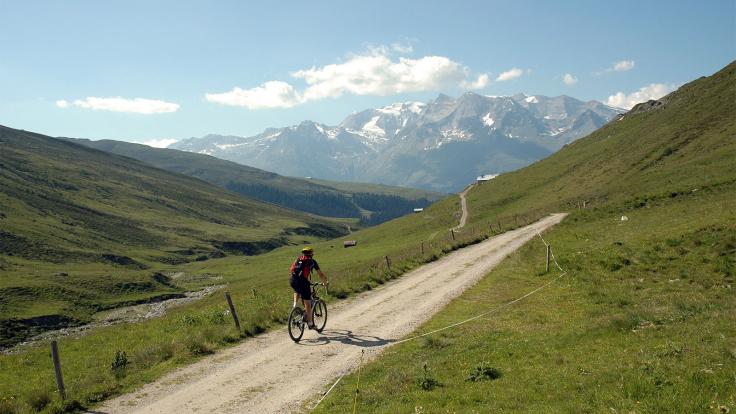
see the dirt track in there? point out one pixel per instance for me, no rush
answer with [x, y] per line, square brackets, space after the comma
[261, 375]
[464, 207]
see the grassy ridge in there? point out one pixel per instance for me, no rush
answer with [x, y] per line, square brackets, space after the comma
[259, 287]
[326, 198]
[644, 322]
[687, 143]
[646, 319]
[259, 282]
[83, 231]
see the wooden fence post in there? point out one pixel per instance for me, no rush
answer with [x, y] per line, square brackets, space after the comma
[232, 310]
[453, 234]
[57, 369]
[388, 263]
[549, 248]
[421, 249]
[498, 221]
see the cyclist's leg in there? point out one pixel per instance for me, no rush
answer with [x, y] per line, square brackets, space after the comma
[305, 292]
[308, 306]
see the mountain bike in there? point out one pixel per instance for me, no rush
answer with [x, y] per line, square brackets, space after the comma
[298, 318]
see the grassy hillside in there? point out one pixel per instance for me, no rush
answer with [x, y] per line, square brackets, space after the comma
[685, 144]
[645, 320]
[373, 203]
[571, 338]
[84, 230]
[259, 287]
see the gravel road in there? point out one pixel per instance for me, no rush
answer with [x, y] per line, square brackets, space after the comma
[265, 374]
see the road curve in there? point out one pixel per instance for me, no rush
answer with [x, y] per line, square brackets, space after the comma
[464, 208]
[265, 374]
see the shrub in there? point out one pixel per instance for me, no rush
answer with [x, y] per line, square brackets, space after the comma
[189, 320]
[8, 405]
[484, 372]
[432, 342]
[216, 316]
[426, 381]
[197, 346]
[119, 364]
[39, 399]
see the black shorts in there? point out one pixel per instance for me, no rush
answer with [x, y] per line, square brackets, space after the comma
[302, 287]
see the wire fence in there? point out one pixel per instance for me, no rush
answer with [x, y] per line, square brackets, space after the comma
[497, 309]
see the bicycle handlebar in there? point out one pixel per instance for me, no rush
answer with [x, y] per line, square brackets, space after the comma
[320, 284]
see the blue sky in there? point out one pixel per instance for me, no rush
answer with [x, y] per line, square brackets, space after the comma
[149, 71]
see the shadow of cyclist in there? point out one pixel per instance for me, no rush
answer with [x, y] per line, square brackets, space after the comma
[346, 337]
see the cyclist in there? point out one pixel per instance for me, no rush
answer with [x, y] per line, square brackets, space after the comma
[301, 270]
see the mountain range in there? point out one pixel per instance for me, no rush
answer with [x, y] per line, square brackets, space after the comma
[370, 203]
[441, 145]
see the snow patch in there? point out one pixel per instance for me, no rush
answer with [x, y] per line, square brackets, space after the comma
[226, 146]
[333, 133]
[487, 120]
[416, 107]
[455, 134]
[397, 109]
[531, 99]
[558, 131]
[372, 128]
[557, 117]
[394, 109]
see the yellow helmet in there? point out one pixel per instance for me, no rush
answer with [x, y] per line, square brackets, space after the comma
[308, 250]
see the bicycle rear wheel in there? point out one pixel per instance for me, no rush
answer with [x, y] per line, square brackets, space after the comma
[296, 324]
[319, 315]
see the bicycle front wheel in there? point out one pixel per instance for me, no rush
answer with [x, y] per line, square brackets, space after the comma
[296, 324]
[319, 315]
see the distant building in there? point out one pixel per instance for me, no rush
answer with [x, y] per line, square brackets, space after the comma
[418, 210]
[487, 177]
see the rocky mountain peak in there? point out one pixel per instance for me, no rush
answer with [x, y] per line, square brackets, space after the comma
[419, 144]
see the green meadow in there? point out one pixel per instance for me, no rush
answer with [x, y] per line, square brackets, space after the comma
[645, 318]
[643, 321]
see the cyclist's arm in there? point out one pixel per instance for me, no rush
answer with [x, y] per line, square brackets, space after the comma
[323, 277]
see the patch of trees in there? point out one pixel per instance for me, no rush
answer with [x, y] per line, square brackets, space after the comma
[322, 203]
[386, 207]
[382, 207]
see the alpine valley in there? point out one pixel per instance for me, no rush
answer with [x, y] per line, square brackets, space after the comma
[442, 145]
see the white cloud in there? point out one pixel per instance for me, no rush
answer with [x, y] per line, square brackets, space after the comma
[377, 74]
[509, 74]
[620, 66]
[645, 93]
[159, 143]
[569, 79]
[118, 104]
[480, 83]
[273, 94]
[402, 47]
[624, 65]
[372, 73]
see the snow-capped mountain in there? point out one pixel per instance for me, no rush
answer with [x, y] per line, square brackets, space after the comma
[441, 145]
